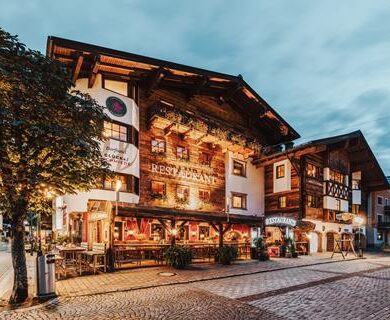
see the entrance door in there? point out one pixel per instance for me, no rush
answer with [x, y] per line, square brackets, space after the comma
[330, 241]
[313, 242]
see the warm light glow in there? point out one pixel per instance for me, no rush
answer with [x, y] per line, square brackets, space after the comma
[359, 220]
[118, 185]
[174, 232]
[130, 232]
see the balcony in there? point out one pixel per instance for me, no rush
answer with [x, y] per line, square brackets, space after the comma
[199, 128]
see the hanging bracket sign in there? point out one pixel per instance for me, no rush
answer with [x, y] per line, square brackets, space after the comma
[280, 221]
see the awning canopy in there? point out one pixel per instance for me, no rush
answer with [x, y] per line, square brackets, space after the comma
[170, 214]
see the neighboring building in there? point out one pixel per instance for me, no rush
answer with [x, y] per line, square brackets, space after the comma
[319, 186]
[378, 224]
[181, 140]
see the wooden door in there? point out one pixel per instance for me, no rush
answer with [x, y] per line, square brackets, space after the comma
[330, 241]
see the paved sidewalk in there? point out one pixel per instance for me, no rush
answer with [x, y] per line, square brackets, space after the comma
[149, 277]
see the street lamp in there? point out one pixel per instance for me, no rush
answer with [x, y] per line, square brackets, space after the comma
[359, 221]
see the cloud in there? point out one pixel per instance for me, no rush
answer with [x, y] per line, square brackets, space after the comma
[323, 65]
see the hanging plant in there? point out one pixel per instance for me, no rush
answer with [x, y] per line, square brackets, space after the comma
[221, 134]
[199, 125]
[238, 139]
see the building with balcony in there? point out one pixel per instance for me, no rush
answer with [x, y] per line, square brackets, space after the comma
[181, 140]
[319, 187]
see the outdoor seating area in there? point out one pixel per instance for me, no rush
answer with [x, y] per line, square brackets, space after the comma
[73, 260]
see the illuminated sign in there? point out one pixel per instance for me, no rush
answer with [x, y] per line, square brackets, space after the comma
[280, 221]
[184, 173]
[120, 155]
[98, 215]
[116, 106]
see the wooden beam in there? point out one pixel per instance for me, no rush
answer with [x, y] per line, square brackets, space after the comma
[214, 226]
[167, 130]
[154, 80]
[202, 81]
[228, 95]
[164, 225]
[77, 67]
[94, 71]
[186, 134]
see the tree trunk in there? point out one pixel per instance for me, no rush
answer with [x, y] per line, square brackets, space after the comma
[20, 289]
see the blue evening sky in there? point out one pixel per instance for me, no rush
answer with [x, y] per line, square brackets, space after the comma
[323, 65]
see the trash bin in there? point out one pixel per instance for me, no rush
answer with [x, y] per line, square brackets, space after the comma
[46, 282]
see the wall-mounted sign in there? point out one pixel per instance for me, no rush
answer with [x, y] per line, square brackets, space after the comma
[345, 216]
[184, 173]
[280, 221]
[98, 215]
[120, 155]
[116, 106]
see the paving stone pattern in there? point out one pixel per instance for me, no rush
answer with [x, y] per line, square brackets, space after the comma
[358, 289]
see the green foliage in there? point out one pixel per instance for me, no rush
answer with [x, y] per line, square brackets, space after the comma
[261, 249]
[226, 254]
[49, 134]
[290, 245]
[178, 257]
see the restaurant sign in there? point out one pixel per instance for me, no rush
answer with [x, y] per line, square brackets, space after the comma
[184, 173]
[280, 221]
[98, 215]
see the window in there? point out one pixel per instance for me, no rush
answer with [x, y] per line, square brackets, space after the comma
[121, 132]
[129, 183]
[338, 205]
[379, 236]
[380, 218]
[312, 201]
[282, 202]
[380, 200]
[118, 231]
[239, 168]
[205, 158]
[182, 193]
[337, 177]
[115, 131]
[158, 188]
[182, 153]
[157, 232]
[312, 171]
[355, 209]
[204, 232]
[238, 201]
[158, 146]
[204, 195]
[386, 202]
[280, 171]
[355, 184]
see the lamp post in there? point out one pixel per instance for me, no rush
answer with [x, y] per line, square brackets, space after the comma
[110, 251]
[359, 221]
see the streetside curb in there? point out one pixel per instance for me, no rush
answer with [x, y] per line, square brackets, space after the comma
[135, 288]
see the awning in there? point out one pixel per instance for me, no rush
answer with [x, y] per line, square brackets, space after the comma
[169, 214]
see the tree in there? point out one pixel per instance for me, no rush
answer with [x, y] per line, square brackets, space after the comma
[49, 141]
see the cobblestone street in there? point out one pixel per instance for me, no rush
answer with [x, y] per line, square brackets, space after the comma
[355, 289]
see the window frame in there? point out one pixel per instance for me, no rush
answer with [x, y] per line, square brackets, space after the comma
[314, 203]
[159, 141]
[186, 197]
[132, 183]
[338, 205]
[243, 164]
[282, 204]
[187, 152]
[204, 191]
[277, 176]
[163, 184]
[208, 157]
[316, 170]
[132, 135]
[377, 201]
[244, 200]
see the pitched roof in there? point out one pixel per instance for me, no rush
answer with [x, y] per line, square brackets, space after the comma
[86, 59]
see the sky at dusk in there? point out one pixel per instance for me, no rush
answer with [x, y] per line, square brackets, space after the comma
[323, 65]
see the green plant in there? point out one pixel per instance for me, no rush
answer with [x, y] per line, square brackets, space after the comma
[226, 254]
[178, 257]
[63, 239]
[290, 246]
[182, 201]
[261, 249]
[158, 196]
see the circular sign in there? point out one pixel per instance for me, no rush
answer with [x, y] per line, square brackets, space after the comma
[116, 106]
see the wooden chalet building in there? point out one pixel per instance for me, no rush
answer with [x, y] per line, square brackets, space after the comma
[181, 140]
[313, 191]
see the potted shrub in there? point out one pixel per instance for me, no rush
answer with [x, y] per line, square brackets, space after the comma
[178, 257]
[226, 254]
[261, 249]
[290, 248]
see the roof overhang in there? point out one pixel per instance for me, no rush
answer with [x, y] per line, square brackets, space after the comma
[86, 60]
